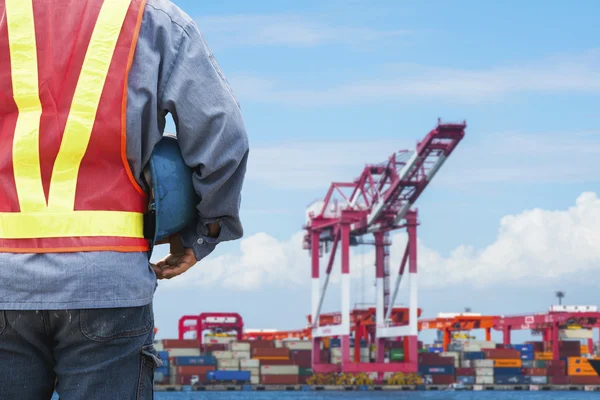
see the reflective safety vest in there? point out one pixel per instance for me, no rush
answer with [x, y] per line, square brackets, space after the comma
[65, 182]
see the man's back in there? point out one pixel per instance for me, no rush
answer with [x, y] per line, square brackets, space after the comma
[85, 87]
[171, 70]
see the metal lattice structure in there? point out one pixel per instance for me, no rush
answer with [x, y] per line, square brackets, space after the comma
[378, 202]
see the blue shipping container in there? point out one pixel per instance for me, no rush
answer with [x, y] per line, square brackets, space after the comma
[436, 369]
[228, 376]
[466, 380]
[163, 355]
[509, 379]
[507, 371]
[527, 356]
[435, 349]
[523, 348]
[163, 370]
[333, 343]
[474, 355]
[538, 380]
[195, 360]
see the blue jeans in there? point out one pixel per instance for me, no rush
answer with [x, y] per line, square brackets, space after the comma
[82, 354]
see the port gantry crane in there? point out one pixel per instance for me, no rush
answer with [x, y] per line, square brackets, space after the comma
[378, 202]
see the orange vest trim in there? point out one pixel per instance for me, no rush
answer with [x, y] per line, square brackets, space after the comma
[65, 182]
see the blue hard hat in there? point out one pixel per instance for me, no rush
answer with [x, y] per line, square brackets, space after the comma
[174, 200]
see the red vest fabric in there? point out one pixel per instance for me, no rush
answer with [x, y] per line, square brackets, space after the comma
[65, 183]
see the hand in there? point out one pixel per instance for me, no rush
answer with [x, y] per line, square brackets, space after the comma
[177, 262]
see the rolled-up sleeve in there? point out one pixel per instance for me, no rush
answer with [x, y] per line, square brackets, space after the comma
[212, 138]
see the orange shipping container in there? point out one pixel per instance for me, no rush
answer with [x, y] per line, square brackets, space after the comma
[583, 349]
[577, 361]
[508, 363]
[270, 358]
[581, 370]
[543, 356]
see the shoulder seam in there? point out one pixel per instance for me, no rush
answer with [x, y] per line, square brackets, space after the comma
[184, 28]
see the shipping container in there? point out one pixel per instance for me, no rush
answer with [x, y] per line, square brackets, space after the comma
[442, 379]
[466, 380]
[465, 371]
[260, 352]
[523, 348]
[298, 344]
[228, 376]
[436, 369]
[180, 344]
[484, 371]
[305, 371]
[240, 355]
[535, 371]
[507, 363]
[276, 362]
[559, 380]
[279, 379]
[483, 363]
[508, 371]
[177, 352]
[279, 370]
[509, 379]
[253, 371]
[484, 380]
[240, 346]
[502, 354]
[253, 363]
[527, 364]
[538, 380]
[467, 363]
[193, 369]
[474, 355]
[198, 360]
[222, 355]
[228, 363]
[585, 380]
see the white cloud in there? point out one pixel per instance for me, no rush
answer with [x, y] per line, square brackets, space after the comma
[579, 73]
[286, 30]
[535, 246]
[503, 157]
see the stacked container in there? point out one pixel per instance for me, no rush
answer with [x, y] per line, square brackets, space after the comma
[436, 369]
[581, 372]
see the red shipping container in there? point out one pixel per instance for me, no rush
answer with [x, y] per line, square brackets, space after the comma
[187, 379]
[535, 372]
[569, 344]
[210, 347]
[585, 380]
[277, 362]
[538, 347]
[465, 371]
[502, 354]
[181, 344]
[556, 371]
[559, 380]
[279, 379]
[435, 359]
[271, 352]
[442, 379]
[254, 344]
[194, 369]
[555, 363]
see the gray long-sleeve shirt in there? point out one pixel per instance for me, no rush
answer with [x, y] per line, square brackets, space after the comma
[173, 72]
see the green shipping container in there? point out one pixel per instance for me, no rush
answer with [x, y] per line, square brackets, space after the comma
[397, 354]
[423, 351]
[539, 364]
[305, 372]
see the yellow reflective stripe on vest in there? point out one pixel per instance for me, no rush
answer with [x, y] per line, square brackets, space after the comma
[24, 72]
[58, 218]
[82, 115]
[74, 223]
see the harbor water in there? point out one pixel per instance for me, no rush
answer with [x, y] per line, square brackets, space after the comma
[426, 395]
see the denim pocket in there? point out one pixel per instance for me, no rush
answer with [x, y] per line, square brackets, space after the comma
[150, 361]
[104, 324]
[2, 321]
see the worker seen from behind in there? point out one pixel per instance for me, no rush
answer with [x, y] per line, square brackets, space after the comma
[88, 190]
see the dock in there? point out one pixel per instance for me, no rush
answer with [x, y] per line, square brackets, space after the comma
[283, 388]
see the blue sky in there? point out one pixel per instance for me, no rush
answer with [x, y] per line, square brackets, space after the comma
[327, 86]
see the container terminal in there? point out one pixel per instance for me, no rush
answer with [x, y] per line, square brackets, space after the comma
[377, 348]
